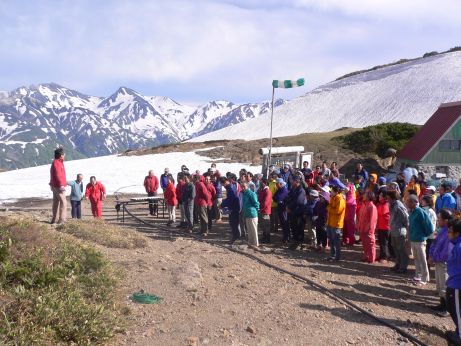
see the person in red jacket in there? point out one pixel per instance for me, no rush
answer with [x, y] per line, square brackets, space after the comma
[366, 225]
[58, 183]
[96, 193]
[171, 200]
[265, 210]
[383, 227]
[202, 198]
[151, 185]
[212, 190]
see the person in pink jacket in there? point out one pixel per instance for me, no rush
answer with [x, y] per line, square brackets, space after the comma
[383, 227]
[349, 219]
[368, 218]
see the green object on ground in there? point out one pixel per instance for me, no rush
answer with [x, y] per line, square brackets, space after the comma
[145, 298]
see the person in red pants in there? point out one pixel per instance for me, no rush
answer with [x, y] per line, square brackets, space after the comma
[367, 224]
[96, 193]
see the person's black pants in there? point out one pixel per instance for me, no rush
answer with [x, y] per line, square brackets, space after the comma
[454, 306]
[153, 206]
[321, 235]
[384, 239]
[283, 218]
[297, 223]
[234, 223]
[76, 209]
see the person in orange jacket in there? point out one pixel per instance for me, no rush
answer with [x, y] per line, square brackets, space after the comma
[96, 193]
[335, 223]
[171, 200]
[367, 225]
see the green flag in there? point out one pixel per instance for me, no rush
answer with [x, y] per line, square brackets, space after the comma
[288, 83]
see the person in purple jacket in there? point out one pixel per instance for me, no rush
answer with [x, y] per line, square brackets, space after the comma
[333, 180]
[453, 297]
[279, 197]
[438, 255]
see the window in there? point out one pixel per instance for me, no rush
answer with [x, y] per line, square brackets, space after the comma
[450, 145]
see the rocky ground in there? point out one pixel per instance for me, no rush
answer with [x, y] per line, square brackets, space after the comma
[212, 296]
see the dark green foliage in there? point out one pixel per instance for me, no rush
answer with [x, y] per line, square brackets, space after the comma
[430, 54]
[378, 138]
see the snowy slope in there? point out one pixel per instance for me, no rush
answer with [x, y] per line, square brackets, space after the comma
[408, 92]
[113, 171]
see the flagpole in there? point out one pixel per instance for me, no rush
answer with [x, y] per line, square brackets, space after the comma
[272, 117]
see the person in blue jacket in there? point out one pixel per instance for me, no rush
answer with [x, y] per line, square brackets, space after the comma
[445, 199]
[279, 197]
[296, 208]
[76, 196]
[453, 297]
[231, 204]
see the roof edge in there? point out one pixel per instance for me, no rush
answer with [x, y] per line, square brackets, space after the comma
[450, 104]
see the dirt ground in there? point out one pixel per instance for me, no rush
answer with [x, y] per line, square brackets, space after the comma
[212, 296]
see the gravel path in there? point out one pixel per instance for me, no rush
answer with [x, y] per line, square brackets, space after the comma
[215, 297]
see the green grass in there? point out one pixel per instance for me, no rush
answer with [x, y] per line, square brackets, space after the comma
[102, 233]
[53, 291]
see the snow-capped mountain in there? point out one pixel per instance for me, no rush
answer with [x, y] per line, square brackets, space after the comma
[405, 92]
[36, 119]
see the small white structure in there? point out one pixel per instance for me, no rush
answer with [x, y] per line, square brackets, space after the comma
[294, 156]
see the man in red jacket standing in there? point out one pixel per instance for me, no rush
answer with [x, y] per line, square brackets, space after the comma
[265, 209]
[58, 184]
[151, 184]
[96, 193]
[202, 198]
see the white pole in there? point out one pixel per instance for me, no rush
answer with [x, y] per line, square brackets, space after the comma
[272, 117]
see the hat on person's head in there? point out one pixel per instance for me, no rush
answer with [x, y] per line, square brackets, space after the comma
[413, 198]
[167, 170]
[325, 189]
[382, 181]
[297, 178]
[314, 193]
[279, 181]
[432, 188]
[286, 165]
[325, 195]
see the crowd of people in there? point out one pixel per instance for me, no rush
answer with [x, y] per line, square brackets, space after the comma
[313, 207]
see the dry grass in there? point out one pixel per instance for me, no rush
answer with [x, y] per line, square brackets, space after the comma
[105, 234]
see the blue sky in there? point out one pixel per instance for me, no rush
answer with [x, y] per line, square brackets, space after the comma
[196, 51]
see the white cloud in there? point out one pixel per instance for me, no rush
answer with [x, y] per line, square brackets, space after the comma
[234, 46]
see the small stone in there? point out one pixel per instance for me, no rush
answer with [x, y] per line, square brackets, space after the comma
[226, 333]
[192, 341]
[205, 341]
[413, 291]
[163, 268]
[251, 329]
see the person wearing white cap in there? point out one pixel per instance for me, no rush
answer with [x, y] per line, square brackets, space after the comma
[165, 179]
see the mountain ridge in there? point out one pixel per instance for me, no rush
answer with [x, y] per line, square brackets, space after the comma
[36, 119]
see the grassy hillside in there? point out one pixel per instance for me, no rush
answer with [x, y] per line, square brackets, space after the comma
[54, 291]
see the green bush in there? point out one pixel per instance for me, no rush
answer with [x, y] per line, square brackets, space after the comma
[53, 291]
[377, 139]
